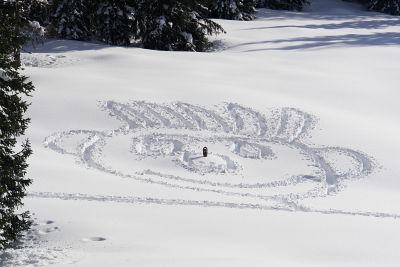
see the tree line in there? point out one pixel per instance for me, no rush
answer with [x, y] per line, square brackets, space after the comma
[156, 24]
[153, 24]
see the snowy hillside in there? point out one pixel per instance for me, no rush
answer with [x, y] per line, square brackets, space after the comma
[300, 114]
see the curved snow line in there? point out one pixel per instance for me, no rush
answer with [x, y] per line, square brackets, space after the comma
[279, 183]
[205, 119]
[89, 158]
[89, 147]
[367, 164]
[245, 116]
[150, 200]
[199, 203]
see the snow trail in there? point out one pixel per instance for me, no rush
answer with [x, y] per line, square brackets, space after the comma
[243, 136]
[205, 203]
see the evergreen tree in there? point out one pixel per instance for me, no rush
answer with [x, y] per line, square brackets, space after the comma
[232, 9]
[115, 22]
[38, 10]
[174, 25]
[386, 6]
[72, 19]
[36, 14]
[249, 8]
[283, 4]
[13, 87]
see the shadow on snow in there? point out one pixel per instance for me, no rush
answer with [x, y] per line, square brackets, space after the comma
[62, 46]
[376, 39]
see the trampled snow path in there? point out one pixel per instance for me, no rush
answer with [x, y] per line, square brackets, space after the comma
[160, 144]
[47, 60]
[31, 249]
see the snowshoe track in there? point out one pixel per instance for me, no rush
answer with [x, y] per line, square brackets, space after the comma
[176, 131]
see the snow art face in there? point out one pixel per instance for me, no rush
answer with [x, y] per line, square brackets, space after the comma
[251, 155]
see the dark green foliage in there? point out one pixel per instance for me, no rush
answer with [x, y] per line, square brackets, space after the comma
[36, 15]
[13, 87]
[72, 19]
[283, 4]
[161, 25]
[37, 11]
[248, 9]
[174, 25]
[386, 6]
[115, 22]
[232, 9]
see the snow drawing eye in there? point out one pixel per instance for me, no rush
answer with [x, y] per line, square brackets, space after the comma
[252, 156]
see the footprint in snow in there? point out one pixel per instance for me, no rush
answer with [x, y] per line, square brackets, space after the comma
[46, 222]
[93, 239]
[48, 230]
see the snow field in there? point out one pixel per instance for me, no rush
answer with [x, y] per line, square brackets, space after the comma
[299, 111]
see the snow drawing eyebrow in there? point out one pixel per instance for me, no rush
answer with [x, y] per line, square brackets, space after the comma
[246, 144]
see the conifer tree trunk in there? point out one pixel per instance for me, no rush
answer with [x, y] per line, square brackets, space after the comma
[17, 49]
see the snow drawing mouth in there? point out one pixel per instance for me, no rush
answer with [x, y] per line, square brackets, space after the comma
[254, 156]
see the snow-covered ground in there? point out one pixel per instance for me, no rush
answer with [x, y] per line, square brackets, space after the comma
[299, 112]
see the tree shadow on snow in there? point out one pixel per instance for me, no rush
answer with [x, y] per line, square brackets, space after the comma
[62, 46]
[360, 24]
[328, 15]
[335, 16]
[376, 39]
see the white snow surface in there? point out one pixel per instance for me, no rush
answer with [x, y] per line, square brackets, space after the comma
[300, 114]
